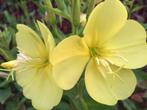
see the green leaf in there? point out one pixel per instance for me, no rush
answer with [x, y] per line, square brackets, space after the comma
[10, 19]
[4, 94]
[62, 106]
[145, 25]
[137, 8]
[141, 75]
[11, 105]
[30, 108]
[60, 13]
[129, 105]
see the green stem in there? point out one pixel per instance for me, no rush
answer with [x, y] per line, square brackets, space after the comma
[58, 33]
[60, 13]
[71, 100]
[62, 6]
[90, 7]
[83, 103]
[5, 55]
[75, 15]
[80, 88]
[20, 103]
[51, 15]
[4, 83]
[131, 8]
[23, 4]
[5, 70]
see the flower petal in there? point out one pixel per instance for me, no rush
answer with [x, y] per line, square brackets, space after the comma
[39, 86]
[108, 90]
[105, 20]
[129, 43]
[29, 42]
[69, 60]
[124, 84]
[47, 36]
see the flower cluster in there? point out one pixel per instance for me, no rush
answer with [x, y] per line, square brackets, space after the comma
[112, 45]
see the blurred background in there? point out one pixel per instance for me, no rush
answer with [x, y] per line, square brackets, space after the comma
[27, 12]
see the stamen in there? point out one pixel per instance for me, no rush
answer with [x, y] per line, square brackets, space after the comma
[110, 71]
[115, 73]
[106, 65]
[102, 72]
[122, 58]
[97, 60]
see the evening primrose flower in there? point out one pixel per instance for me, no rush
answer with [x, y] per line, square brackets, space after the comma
[34, 70]
[111, 46]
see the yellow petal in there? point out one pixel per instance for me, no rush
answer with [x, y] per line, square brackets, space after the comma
[108, 90]
[28, 42]
[47, 36]
[68, 72]
[129, 43]
[105, 20]
[39, 86]
[69, 59]
[124, 84]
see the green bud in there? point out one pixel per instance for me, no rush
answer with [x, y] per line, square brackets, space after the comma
[51, 16]
[76, 12]
[61, 4]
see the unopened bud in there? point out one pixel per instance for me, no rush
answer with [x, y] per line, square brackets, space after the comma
[10, 64]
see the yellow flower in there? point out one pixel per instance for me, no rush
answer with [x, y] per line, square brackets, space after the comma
[111, 46]
[34, 70]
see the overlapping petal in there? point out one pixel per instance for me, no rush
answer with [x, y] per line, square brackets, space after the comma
[69, 59]
[39, 86]
[29, 42]
[47, 36]
[129, 43]
[104, 21]
[109, 89]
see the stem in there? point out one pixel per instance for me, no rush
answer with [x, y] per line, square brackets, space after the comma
[130, 8]
[80, 92]
[75, 15]
[90, 7]
[5, 54]
[71, 100]
[51, 15]
[58, 33]
[5, 70]
[60, 13]
[4, 83]
[20, 103]
[83, 103]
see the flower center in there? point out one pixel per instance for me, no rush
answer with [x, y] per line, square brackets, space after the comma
[35, 62]
[40, 63]
[104, 66]
[96, 52]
